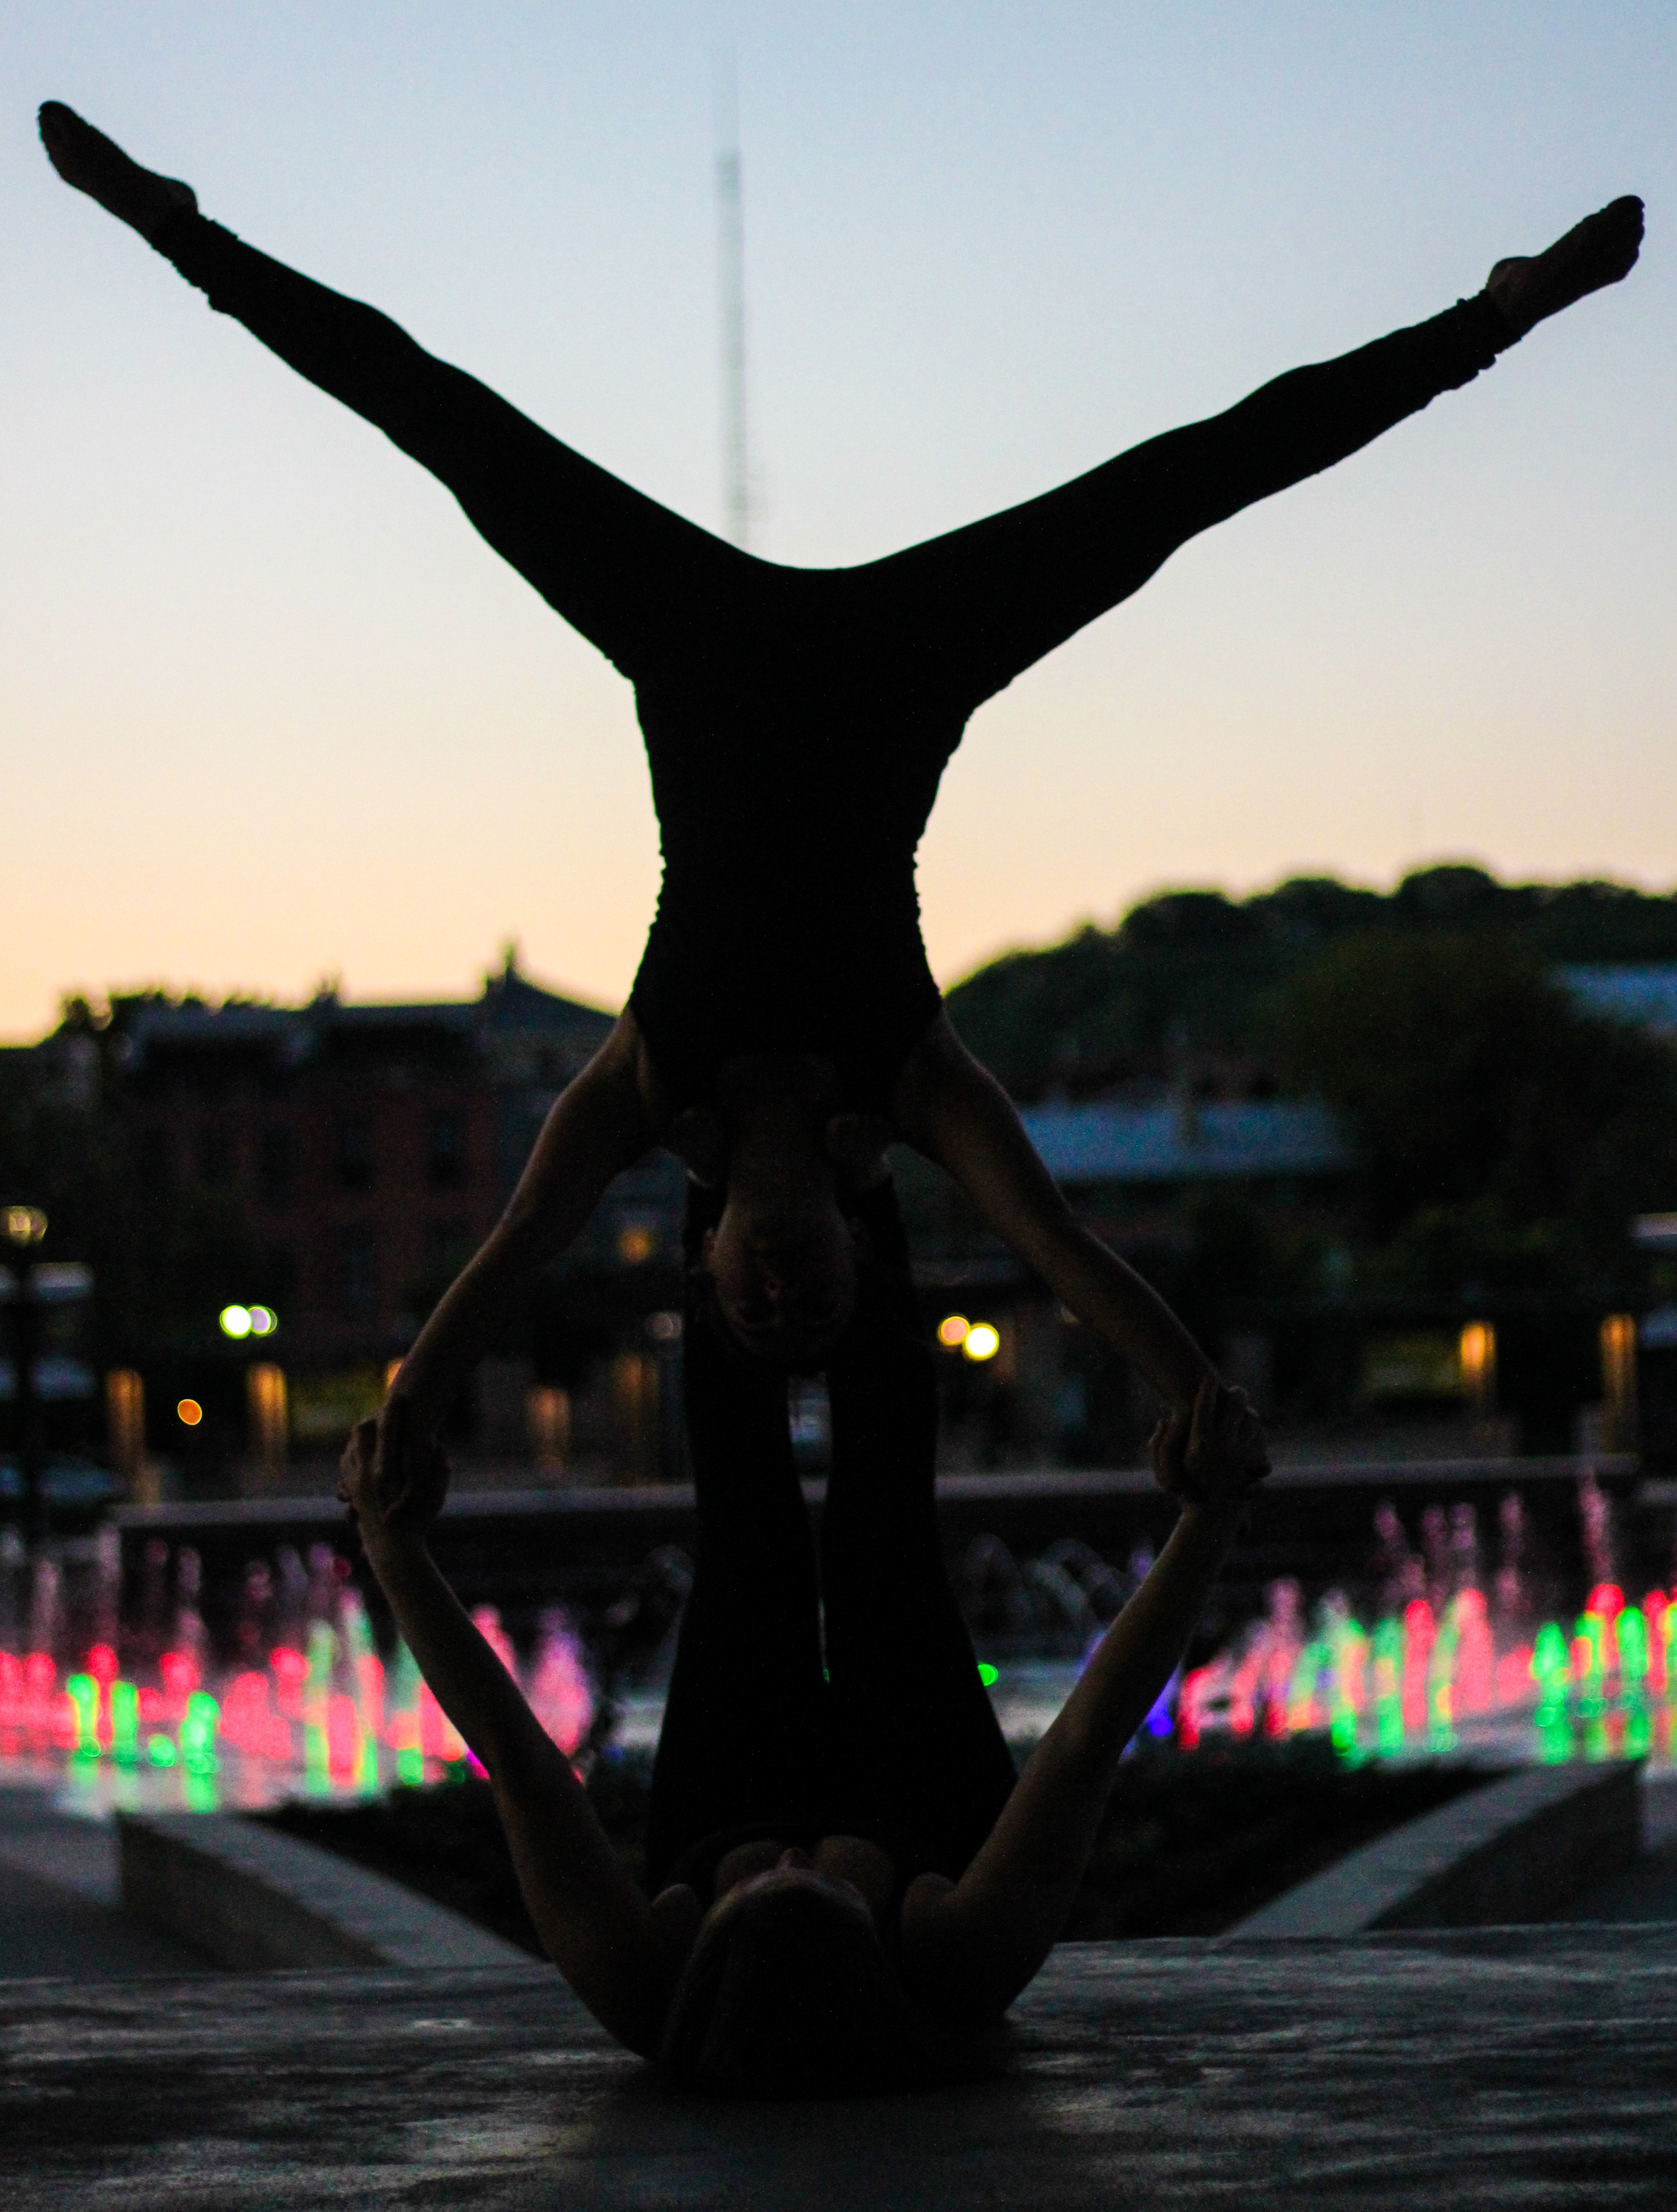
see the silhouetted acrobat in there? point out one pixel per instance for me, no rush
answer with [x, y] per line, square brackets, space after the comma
[844, 1879]
[784, 1023]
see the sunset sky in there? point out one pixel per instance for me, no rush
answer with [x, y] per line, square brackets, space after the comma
[273, 713]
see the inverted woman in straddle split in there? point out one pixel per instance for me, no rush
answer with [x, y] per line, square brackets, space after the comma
[844, 1880]
[784, 1023]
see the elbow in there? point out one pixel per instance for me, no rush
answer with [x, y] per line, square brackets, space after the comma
[522, 1215]
[526, 1234]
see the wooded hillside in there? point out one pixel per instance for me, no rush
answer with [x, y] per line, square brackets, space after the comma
[1190, 985]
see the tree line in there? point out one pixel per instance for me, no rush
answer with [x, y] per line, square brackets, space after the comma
[1507, 1137]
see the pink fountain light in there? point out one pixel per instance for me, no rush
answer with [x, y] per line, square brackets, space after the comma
[327, 1720]
[1421, 1685]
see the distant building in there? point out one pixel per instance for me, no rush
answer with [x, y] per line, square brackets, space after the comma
[370, 1147]
[1643, 995]
[1151, 1179]
[1186, 1142]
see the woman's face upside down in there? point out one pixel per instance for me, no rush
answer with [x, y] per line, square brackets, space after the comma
[785, 1276]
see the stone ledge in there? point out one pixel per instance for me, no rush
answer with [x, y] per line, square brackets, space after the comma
[250, 1897]
[1516, 1849]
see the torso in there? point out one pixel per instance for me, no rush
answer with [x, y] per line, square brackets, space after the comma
[790, 804]
[898, 1906]
[855, 1859]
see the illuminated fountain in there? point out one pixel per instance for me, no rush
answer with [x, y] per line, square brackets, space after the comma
[1450, 1658]
[1455, 1661]
[323, 1715]
[1447, 1674]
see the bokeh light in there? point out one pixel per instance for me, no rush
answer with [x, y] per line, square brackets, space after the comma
[952, 1330]
[235, 1321]
[982, 1341]
[189, 1413]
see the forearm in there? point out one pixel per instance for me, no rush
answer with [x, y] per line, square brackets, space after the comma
[597, 1127]
[1110, 1297]
[1135, 1658]
[466, 1319]
[994, 1931]
[462, 1674]
[593, 1921]
[958, 1114]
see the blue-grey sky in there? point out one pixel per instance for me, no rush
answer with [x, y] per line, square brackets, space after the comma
[273, 712]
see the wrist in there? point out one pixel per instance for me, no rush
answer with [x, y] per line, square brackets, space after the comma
[419, 1401]
[390, 1550]
[1190, 1382]
[1216, 1518]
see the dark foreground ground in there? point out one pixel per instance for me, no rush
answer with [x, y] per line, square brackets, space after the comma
[1190, 1844]
[1527, 2067]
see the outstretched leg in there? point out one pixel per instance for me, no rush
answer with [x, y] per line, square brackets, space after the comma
[745, 1735]
[907, 1696]
[638, 581]
[983, 603]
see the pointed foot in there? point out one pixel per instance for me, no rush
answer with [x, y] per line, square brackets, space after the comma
[96, 165]
[1600, 249]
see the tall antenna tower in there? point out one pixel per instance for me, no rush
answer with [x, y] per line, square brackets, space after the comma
[730, 295]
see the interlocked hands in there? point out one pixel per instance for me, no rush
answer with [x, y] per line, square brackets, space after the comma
[392, 1480]
[1215, 1454]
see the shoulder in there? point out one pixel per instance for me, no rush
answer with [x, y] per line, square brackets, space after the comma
[857, 1145]
[945, 1096]
[624, 1068]
[923, 1936]
[938, 1063]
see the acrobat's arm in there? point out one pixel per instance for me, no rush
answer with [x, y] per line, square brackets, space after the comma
[620, 1954]
[968, 1951]
[600, 1124]
[952, 1109]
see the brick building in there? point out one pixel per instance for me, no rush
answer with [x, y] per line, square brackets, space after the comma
[368, 1148]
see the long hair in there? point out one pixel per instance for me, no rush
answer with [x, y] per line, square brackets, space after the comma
[788, 1993]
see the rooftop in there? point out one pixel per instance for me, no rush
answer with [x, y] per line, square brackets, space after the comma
[1644, 994]
[509, 1008]
[1186, 1142]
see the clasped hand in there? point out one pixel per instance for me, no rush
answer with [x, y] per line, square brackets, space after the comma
[392, 1480]
[1214, 1453]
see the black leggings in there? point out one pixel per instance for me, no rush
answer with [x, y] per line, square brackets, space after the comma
[959, 616]
[798, 721]
[896, 1739]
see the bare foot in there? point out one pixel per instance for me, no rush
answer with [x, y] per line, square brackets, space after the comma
[96, 165]
[1598, 251]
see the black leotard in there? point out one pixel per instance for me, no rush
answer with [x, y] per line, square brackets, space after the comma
[798, 721]
[791, 799]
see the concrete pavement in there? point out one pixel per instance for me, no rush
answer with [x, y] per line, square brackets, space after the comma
[1477, 2068]
[1646, 1891]
[60, 1910]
